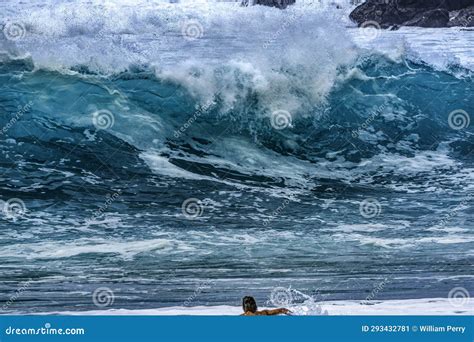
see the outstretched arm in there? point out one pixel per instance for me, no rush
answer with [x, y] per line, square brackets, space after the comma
[273, 312]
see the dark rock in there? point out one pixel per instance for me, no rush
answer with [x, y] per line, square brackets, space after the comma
[455, 5]
[431, 18]
[464, 17]
[425, 4]
[424, 13]
[272, 3]
[386, 14]
[450, 5]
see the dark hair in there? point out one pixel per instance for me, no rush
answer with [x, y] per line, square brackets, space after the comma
[249, 304]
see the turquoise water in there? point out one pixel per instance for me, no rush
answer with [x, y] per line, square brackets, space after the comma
[195, 181]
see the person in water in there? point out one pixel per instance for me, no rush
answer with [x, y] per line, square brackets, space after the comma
[250, 309]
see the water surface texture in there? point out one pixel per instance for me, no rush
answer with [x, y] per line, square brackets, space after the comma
[189, 154]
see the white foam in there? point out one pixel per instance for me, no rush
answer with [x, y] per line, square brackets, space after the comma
[425, 307]
[64, 249]
[423, 161]
[404, 242]
[280, 56]
[422, 44]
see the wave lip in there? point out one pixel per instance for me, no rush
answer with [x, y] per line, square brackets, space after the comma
[107, 37]
[360, 128]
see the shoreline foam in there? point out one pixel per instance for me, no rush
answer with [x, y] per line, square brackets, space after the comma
[426, 307]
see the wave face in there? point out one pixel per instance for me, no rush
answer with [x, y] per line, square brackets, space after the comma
[165, 146]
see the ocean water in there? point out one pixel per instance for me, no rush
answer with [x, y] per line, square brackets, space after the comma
[188, 154]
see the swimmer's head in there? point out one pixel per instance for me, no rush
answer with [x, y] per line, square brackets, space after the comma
[249, 304]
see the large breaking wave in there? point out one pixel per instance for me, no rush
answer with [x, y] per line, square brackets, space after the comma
[286, 94]
[285, 135]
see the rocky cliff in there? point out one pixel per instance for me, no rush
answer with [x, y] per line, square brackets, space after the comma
[423, 13]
